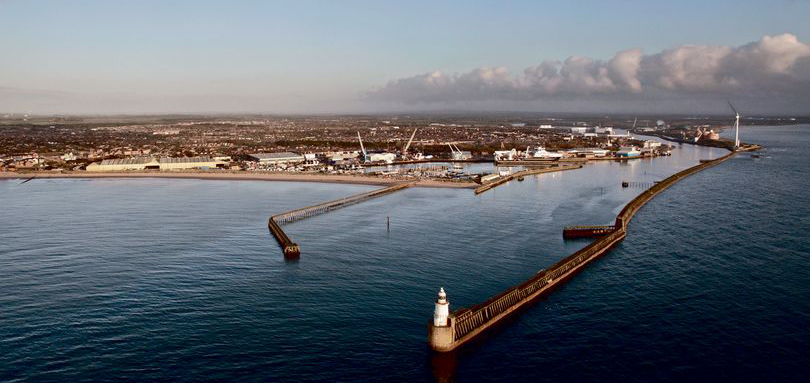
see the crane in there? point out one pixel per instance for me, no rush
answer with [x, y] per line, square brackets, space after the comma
[404, 151]
[362, 149]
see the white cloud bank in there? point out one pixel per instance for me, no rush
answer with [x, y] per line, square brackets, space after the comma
[775, 66]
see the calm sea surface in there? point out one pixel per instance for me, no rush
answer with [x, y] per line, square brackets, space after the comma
[179, 280]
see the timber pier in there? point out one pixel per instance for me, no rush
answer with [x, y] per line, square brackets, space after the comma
[447, 330]
[522, 173]
[290, 248]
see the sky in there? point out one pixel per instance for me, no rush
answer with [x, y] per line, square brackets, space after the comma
[155, 57]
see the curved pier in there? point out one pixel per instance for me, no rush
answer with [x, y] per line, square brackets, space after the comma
[447, 332]
[290, 248]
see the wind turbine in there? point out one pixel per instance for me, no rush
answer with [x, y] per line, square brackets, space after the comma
[736, 126]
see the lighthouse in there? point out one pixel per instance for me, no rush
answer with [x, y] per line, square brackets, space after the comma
[442, 310]
[440, 331]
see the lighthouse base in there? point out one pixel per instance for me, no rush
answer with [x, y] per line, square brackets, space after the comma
[440, 338]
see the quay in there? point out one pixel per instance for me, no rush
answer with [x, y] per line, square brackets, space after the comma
[447, 331]
[503, 180]
[292, 249]
[540, 162]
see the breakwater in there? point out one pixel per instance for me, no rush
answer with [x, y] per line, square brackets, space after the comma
[448, 330]
[522, 173]
[572, 232]
[292, 249]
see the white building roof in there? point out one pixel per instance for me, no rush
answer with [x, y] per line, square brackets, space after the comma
[128, 161]
[276, 156]
[185, 160]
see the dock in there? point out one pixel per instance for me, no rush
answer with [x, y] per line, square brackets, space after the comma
[540, 162]
[447, 331]
[292, 249]
[528, 172]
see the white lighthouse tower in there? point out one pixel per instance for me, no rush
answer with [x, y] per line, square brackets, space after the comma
[440, 331]
[442, 311]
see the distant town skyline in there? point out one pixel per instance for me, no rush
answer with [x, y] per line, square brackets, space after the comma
[150, 57]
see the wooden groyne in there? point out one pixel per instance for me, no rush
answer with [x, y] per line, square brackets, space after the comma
[449, 331]
[503, 180]
[290, 248]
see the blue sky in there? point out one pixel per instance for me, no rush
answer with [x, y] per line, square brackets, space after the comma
[326, 56]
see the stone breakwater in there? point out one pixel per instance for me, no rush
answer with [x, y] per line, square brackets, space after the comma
[464, 324]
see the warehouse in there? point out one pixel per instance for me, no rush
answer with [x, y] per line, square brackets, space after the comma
[181, 163]
[120, 164]
[382, 157]
[277, 158]
[149, 163]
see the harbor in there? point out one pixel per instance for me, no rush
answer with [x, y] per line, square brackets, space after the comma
[353, 269]
[420, 192]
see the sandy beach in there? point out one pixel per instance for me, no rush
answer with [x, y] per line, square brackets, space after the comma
[244, 176]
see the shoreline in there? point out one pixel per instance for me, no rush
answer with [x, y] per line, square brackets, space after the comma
[323, 178]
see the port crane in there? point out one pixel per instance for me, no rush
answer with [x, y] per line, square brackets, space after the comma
[362, 148]
[456, 152]
[699, 133]
[408, 145]
[736, 126]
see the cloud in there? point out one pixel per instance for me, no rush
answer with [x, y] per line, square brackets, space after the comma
[774, 65]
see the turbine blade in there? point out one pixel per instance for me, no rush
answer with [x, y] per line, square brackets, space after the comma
[732, 108]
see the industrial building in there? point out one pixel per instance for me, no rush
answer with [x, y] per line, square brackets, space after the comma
[182, 163]
[120, 164]
[382, 157]
[588, 152]
[149, 163]
[628, 151]
[277, 158]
